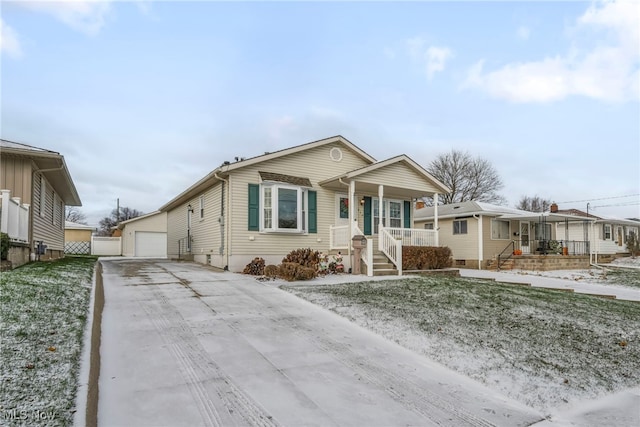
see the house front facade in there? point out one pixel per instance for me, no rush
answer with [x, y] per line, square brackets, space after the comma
[317, 195]
[608, 236]
[36, 186]
[476, 232]
[482, 235]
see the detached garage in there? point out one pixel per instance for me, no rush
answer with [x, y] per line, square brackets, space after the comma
[145, 236]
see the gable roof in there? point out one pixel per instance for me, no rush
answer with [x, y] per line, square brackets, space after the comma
[403, 158]
[50, 163]
[223, 170]
[468, 208]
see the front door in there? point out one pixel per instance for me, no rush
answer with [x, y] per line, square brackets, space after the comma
[342, 209]
[524, 237]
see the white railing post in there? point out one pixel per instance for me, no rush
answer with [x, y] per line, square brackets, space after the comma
[14, 218]
[399, 256]
[369, 260]
[23, 233]
[4, 216]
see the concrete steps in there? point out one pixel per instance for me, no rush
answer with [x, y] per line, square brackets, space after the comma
[506, 265]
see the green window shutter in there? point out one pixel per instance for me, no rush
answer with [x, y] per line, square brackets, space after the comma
[367, 216]
[254, 207]
[313, 211]
[407, 214]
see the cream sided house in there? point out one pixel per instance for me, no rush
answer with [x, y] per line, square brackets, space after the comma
[36, 186]
[318, 195]
[483, 235]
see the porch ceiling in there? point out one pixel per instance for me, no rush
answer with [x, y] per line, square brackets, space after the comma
[548, 217]
[371, 189]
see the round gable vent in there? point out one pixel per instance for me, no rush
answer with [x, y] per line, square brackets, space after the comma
[335, 154]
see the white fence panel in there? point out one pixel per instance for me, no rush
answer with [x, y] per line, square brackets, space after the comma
[14, 217]
[106, 246]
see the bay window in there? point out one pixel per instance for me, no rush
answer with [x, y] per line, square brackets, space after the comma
[278, 207]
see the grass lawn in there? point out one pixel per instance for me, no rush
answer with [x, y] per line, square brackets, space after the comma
[43, 311]
[623, 277]
[544, 348]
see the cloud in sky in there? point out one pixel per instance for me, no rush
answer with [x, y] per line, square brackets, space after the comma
[434, 58]
[9, 41]
[608, 71]
[88, 17]
[523, 32]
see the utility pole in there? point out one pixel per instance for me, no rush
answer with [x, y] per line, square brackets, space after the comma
[117, 211]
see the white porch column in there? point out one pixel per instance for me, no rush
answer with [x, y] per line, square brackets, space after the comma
[380, 205]
[480, 251]
[353, 217]
[435, 218]
[4, 220]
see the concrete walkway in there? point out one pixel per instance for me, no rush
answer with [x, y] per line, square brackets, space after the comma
[184, 345]
[558, 282]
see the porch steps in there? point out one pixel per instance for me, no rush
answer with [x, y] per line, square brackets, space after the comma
[506, 265]
[382, 266]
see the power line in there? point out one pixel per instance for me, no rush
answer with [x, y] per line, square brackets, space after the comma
[601, 198]
[618, 204]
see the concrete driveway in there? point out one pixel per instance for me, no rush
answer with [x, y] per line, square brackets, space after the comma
[183, 345]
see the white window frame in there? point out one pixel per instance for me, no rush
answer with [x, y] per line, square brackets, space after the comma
[495, 229]
[386, 213]
[201, 210]
[43, 197]
[428, 225]
[460, 231]
[606, 230]
[301, 208]
[55, 209]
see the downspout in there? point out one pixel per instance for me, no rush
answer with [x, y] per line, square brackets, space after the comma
[480, 248]
[225, 236]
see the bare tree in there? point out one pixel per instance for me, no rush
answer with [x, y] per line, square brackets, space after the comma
[468, 178]
[73, 214]
[533, 204]
[108, 222]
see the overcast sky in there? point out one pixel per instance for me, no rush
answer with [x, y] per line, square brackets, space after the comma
[145, 98]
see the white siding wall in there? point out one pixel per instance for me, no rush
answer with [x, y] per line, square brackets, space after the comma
[46, 228]
[397, 175]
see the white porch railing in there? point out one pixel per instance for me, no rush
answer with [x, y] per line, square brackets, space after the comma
[391, 247]
[339, 237]
[414, 236]
[14, 218]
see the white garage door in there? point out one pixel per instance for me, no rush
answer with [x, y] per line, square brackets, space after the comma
[151, 244]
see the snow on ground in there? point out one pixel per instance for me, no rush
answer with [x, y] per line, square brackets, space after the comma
[620, 409]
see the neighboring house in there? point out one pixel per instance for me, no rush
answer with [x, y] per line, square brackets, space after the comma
[77, 238]
[475, 231]
[145, 236]
[608, 236]
[317, 195]
[41, 180]
[480, 233]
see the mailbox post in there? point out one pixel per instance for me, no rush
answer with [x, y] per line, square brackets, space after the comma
[359, 242]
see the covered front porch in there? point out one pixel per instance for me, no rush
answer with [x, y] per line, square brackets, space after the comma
[543, 236]
[374, 213]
